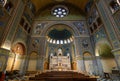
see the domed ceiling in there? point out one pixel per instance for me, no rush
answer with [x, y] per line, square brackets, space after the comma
[59, 34]
[39, 4]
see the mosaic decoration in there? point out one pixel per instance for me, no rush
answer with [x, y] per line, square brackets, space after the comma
[81, 27]
[99, 35]
[88, 6]
[38, 28]
[85, 43]
[35, 43]
[107, 22]
[93, 16]
[94, 13]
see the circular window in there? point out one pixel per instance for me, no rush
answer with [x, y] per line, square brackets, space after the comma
[60, 11]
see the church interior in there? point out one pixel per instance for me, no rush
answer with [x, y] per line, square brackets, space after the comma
[60, 40]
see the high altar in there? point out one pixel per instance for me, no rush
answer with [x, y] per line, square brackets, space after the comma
[60, 62]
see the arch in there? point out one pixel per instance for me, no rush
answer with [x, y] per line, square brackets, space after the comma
[50, 6]
[87, 53]
[68, 25]
[103, 49]
[33, 55]
[32, 65]
[101, 46]
[88, 62]
[17, 51]
[18, 48]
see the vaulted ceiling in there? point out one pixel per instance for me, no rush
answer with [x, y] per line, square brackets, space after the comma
[39, 4]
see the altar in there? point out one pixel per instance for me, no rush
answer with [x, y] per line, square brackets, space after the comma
[60, 62]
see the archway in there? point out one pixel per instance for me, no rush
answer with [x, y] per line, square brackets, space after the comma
[103, 50]
[14, 61]
[88, 61]
[59, 36]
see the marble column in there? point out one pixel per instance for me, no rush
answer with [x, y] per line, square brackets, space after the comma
[24, 64]
[40, 63]
[76, 44]
[117, 59]
[116, 53]
[80, 65]
[99, 66]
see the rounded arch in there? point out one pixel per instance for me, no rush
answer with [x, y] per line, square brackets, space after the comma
[18, 48]
[75, 10]
[19, 41]
[32, 61]
[33, 55]
[52, 4]
[87, 53]
[103, 48]
[88, 62]
[68, 25]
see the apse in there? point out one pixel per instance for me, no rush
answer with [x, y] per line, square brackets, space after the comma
[60, 35]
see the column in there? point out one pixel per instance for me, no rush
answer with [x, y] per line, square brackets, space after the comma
[40, 63]
[99, 65]
[117, 59]
[81, 65]
[24, 64]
